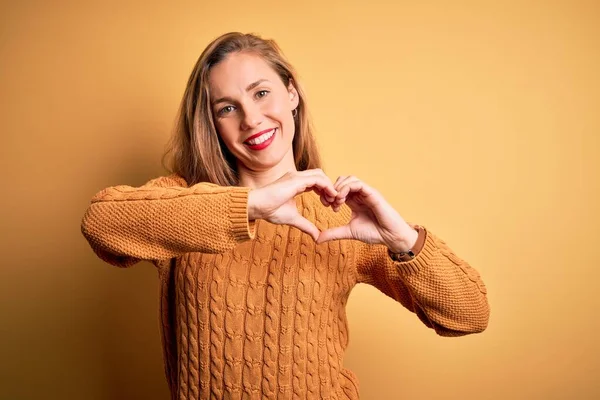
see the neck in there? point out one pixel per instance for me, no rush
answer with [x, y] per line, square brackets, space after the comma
[258, 178]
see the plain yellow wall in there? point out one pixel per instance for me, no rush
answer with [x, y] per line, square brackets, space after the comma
[479, 121]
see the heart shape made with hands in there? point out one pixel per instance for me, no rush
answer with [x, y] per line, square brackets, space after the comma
[373, 219]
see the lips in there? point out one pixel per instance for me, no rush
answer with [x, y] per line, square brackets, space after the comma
[258, 134]
[260, 137]
[261, 140]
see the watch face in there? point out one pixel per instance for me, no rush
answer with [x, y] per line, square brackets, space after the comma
[404, 256]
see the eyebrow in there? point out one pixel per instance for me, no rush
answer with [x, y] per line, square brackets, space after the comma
[248, 88]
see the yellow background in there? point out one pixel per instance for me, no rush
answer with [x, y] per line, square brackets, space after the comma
[479, 120]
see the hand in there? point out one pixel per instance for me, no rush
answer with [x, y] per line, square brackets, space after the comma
[275, 202]
[373, 219]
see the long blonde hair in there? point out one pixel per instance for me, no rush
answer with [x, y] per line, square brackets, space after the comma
[195, 151]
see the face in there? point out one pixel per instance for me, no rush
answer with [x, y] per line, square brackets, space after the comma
[252, 110]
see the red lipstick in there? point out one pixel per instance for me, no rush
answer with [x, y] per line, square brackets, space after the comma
[264, 144]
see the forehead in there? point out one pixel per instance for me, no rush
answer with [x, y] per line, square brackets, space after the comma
[232, 75]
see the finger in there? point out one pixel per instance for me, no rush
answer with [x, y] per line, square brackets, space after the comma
[366, 193]
[324, 185]
[313, 172]
[337, 233]
[316, 181]
[345, 187]
[338, 180]
[344, 190]
[356, 187]
[322, 197]
[325, 199]
[328, 191]
[308, 173]
[344, 181]
[305, 226]
[329, 195]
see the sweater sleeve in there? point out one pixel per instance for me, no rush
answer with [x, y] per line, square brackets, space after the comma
[164, 218]
[445, 292]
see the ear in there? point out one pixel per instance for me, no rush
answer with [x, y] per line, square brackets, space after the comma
[294, 96]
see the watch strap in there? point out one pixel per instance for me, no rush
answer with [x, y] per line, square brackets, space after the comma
[411, 253]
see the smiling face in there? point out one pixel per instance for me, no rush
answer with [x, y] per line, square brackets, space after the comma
[252, 110]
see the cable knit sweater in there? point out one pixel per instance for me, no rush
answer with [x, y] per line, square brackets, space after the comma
[253, 310]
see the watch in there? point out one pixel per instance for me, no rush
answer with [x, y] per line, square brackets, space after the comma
[410, 254]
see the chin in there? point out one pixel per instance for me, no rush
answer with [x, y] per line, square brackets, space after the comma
[266, 164]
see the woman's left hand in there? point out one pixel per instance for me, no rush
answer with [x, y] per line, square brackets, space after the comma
[373, 220]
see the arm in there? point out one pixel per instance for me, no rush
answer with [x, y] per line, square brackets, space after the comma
[442, 289]
[445, 292]
[164, 218]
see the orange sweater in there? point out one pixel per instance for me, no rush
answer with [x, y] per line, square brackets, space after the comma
[256, 310]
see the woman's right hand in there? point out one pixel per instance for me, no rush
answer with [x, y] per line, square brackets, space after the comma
[275, 202]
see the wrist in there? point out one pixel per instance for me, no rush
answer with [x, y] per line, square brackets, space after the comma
[413, 251]
[406, 243]
[252, 211]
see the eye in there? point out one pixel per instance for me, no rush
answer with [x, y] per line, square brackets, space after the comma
[225, 110]
[262, 93]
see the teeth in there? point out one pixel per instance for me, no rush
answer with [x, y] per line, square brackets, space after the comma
[261, 138]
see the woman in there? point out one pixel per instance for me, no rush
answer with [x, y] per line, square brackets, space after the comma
[258, 250]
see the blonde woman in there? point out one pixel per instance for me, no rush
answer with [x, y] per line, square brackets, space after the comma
[258, 250]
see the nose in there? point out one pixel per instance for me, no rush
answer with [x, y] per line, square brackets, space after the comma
[253, 116]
